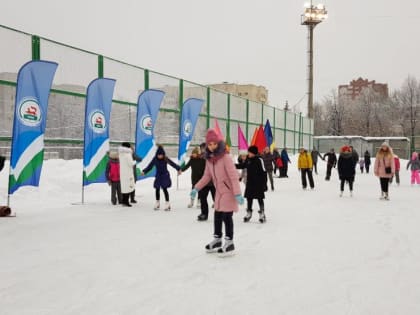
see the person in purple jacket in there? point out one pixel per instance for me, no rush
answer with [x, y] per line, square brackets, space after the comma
[221, 170]
[162, 177]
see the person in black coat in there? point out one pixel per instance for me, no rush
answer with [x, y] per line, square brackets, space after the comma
[256, 182]
[367, 161]
[331, 162]
[346, 168]
[198, 165]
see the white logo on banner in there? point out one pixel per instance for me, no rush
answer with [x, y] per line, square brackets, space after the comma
[97, 121]
[146, 124]
[30, 113]
[187, 128]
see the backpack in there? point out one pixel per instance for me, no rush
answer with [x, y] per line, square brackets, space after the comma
[279, 162]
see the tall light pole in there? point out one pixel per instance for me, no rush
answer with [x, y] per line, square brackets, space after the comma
[312, 16]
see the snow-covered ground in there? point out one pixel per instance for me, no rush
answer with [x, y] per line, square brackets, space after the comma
[317, 253]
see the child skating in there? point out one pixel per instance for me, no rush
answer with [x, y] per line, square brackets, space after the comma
[162, 177]
[256, 183]
[221, 170]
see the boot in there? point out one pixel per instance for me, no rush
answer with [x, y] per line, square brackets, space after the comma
[262, 218]
[214, 245]
[341, 193]
[386, 196]
[157, 205]
[202, 217]
[167, 206]
[248, 216]
[227, 249]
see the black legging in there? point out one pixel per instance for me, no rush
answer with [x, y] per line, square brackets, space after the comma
[165, 191]
[343, 181]
[220, 218]
[260, 203]
[384, 184]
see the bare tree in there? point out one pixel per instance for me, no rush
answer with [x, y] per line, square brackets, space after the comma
[335, 111]
[408, 98]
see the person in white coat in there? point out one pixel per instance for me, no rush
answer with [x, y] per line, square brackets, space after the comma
[126, 172]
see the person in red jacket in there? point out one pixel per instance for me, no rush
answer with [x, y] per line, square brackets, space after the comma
[397, 170]
[112, 174]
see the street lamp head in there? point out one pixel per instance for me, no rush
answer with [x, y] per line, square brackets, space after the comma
[314, 14]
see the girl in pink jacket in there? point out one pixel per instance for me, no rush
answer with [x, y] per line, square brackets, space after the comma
[384, 168]
[221, 170]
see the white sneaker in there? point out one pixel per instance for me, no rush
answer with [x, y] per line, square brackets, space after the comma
[157, 205]
[167, 206]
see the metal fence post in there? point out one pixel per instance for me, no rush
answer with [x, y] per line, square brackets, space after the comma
[100, 66]
[36, 48]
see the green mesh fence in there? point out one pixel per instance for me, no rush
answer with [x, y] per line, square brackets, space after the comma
[78, 67]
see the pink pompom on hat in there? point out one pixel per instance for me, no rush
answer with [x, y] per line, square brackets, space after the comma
[212, 136]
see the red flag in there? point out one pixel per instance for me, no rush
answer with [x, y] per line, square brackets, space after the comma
[260, 141]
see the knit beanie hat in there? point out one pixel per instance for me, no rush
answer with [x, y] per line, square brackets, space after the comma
[212, 136]
[160, 151]
[345, 148]
[385, 144]
[253, 149]
[243, 152]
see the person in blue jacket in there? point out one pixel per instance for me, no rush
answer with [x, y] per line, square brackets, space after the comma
[162, 177]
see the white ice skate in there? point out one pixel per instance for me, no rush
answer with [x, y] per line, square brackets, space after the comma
[228, 249]
[214, 245]
[167, 206]
[157, 205]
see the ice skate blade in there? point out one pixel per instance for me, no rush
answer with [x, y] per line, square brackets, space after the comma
[226, 254]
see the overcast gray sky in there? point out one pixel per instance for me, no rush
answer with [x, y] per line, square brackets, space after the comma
[239, 41]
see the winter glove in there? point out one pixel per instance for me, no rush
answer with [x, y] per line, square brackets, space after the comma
[193, 193]
[239, 199]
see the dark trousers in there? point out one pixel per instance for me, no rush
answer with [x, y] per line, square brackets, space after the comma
[307, 172]
[343, 181]
[165, 192]
[384, 184]
[133, 195]
[367, 168]
[226, 218]
[249, 203]
[125, 198]
[270, 177]
[283, 169]
[116, 192]
[397, 177]
[329, 168]
[202, 196]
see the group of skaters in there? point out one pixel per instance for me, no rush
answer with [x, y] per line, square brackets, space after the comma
[213, 171]
[386, 167]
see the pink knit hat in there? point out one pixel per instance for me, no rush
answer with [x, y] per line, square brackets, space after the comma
[212, 136]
